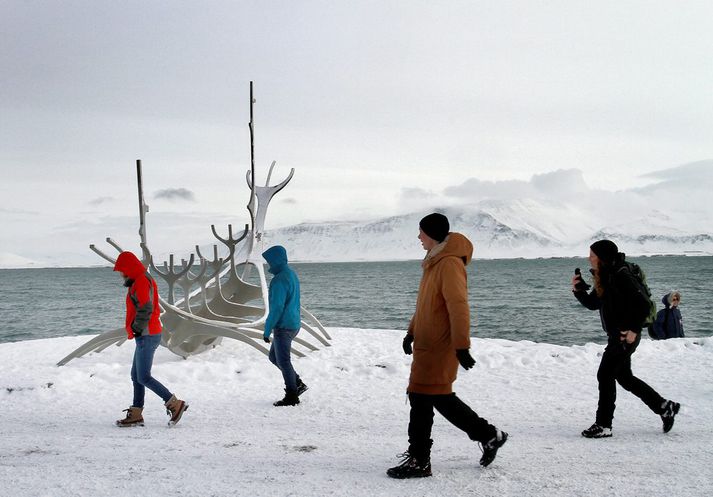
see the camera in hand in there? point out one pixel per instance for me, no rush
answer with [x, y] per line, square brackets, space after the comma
[581, 285]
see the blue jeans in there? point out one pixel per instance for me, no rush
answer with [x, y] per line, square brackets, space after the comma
[146, 346]
[280, 355]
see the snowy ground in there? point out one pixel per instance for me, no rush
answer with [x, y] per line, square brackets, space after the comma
[57, 436]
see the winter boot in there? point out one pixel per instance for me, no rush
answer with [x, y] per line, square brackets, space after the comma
[175, 408]
[301, 387]
[133, 417]
[596, 431]
[670, 409]
[291, 399]
[410, 467]
[490, 448]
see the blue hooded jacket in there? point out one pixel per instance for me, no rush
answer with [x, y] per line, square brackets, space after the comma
[284, 295]
[669, 323]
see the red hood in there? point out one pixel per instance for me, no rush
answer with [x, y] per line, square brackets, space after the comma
[130, 265]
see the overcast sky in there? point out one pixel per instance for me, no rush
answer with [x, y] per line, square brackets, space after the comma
[378, 105]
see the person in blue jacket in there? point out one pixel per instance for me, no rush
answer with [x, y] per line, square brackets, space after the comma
[669, 323]
[283, 321]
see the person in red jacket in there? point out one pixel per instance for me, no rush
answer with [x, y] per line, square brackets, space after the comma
[143, 325]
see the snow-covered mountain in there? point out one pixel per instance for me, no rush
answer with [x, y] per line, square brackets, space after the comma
[553, 215]
[527, 228]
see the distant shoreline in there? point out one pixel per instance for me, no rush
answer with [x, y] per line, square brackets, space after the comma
[647, 255]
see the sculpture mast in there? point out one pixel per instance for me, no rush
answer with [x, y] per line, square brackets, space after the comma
[143, 209]
[253, 195]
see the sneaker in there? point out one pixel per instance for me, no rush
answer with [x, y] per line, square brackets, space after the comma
[670, 409]
[133, 418]
[596, 431]
[301, 387]
[490, 448]
[410, 468]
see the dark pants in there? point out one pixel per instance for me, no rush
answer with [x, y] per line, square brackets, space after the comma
[280, 355]
[146, 346]
[451, 408]
[616, 367]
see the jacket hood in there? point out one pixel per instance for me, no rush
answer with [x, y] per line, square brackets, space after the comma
[130, 265]
[456, 245]
[276, 257]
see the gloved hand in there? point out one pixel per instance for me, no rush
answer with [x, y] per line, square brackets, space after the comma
[408, 340]
[578, 283]
[266, 338]
[465, 359]
[135, 330]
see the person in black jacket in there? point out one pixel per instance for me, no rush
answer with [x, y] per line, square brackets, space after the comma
[669, 323]
[623, 309]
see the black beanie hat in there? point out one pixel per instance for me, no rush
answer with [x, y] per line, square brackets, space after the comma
[606, 250]
[435, 226]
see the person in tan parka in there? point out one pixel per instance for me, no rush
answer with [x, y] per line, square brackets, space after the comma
[439, 339]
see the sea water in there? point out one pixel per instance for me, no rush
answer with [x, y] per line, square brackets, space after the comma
[514, 299]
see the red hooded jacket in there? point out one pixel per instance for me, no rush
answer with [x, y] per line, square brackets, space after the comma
[142, 309]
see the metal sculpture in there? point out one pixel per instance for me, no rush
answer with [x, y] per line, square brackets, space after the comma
[217, 301]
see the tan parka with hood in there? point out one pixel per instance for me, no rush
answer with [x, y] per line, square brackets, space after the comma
[441, 323]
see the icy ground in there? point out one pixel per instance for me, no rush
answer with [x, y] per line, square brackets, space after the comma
[57, 436]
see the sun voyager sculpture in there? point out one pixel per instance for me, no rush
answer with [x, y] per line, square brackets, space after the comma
[224, 297]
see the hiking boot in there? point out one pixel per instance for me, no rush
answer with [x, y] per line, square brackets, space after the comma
[596, 431]
[133, 417]
[301, 387]
[290, 399]
[670, 409]
[175, 408]
[490, 448]
[410, 467]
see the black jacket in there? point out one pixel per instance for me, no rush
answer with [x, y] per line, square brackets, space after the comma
[622, 307]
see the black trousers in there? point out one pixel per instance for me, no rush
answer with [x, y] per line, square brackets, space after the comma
[616, 367]
[454, 410]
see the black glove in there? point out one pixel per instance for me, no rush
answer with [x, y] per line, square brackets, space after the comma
[465, 359]
[408, 340]
[266, 338]
[581, 285]
[136, 331]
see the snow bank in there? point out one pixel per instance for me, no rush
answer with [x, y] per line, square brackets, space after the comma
[58, 436]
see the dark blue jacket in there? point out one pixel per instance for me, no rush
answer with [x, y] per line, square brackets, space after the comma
[284, 295]
[669, 323]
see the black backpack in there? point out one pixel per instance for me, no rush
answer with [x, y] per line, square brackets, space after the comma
[643, 288]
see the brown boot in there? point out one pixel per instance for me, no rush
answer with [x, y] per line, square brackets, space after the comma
[175, 407]
[133, 417]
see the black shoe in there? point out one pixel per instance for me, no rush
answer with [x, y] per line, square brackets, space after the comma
[410, 468]
[301, 387]
[290, 399]
[596, 431]
[490, 448]
[670, 409]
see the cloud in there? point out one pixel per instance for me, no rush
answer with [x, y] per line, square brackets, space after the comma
[18, 212]
[289, 200]
[693, 172]
[175, 194]
[561, 184]
[475, 189]
[101, 200]
[411, 199]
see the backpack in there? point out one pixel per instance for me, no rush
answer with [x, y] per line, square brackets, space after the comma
[643, 288]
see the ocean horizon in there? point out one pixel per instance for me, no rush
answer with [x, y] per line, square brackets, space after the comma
[513, 299]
